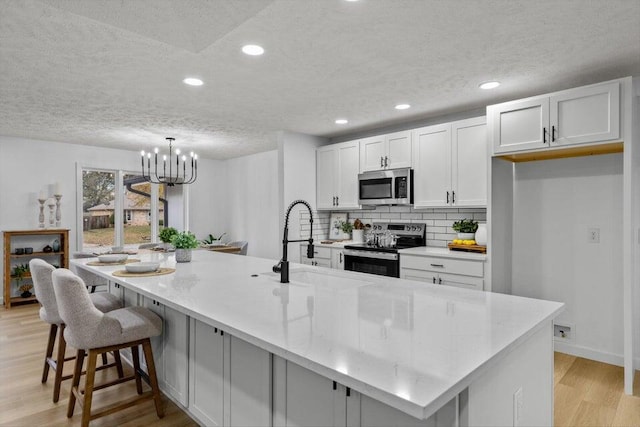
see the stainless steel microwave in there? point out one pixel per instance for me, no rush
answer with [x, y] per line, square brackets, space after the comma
[386, 187]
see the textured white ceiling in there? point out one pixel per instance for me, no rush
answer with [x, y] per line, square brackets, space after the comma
[109, 72]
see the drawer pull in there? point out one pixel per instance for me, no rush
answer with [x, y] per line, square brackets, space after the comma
[437, 265]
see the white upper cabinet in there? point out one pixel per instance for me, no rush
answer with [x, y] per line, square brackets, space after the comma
[337, 168]
[521, 125]
[588, 114]
[576, 116]
[391, 151]
[432, 166]
[469, 162]
[372, 152]
[326, 165]
[450, 164]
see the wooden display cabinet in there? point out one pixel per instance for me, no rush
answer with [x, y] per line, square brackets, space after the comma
[37, 240]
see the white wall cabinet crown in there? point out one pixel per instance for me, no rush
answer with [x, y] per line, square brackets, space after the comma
[576, 116]
[391, 151]
[450, 164]
[337, 168]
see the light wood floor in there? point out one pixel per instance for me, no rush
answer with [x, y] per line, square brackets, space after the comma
[587, 393]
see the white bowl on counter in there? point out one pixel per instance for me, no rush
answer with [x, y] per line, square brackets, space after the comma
[112, 258]
[142, 267]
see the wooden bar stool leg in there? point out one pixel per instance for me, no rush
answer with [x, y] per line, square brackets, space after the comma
[88, 387]
[52, 340]
[116, 356]
[104, 358]
[77, 372]
[135, 354]
[151, 369]
[62, 348]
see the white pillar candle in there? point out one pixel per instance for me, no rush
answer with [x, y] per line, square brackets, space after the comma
[57, 188]
[41, 195]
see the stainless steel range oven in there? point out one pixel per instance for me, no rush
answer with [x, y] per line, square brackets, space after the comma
[380, 254]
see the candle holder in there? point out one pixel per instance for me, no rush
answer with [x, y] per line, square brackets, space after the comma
[41, 216]
[58, 211]
[52, 206]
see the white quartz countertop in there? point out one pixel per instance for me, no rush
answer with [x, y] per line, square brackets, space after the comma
[411, 345]
[442, 253]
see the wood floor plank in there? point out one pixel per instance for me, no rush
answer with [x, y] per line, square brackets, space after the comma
[592, 415]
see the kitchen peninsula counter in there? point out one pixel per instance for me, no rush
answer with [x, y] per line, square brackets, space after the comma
[412, 346]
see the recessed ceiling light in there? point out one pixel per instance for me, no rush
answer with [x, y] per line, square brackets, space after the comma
[489, 85]
[191, 81]
[342, 121]
[403, 106]
[252, 49]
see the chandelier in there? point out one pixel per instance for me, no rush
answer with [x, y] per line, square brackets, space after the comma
[171, 168]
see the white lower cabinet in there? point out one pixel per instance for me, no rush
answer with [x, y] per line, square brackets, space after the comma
[304, 398]
[443, 271]
[171, 351]
[337, 258]
[229, 379]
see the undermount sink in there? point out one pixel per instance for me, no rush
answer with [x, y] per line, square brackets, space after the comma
[308, 277]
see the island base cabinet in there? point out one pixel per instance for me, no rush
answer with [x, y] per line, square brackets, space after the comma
[229, 379]
[206, 373]
[527, 370]
[170, 351]
[304, 398]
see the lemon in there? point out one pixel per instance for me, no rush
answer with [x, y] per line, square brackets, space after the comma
[469, 242]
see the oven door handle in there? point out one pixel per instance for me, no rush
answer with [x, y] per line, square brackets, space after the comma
[371, 254]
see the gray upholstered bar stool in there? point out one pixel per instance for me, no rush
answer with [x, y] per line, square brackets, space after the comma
[41, 274]
[90, 330]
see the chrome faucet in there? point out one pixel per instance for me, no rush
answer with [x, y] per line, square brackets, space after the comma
[283, 266]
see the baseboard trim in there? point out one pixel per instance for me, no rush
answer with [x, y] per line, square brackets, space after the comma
[588, 353]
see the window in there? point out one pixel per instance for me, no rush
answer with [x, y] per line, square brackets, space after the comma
[98, 200]
[114, 215]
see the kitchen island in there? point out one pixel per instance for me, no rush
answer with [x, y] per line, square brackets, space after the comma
[341, 348]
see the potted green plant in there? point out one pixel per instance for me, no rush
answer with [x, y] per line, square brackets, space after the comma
[346, 228]
[19, 271]
[212, 239]
[166, 234]
[184, 242]
[466, 228]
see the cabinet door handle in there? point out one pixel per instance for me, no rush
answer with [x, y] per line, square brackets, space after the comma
[439, 280]
[553, 133]
[348, 392]
[434, 279]
[340, 257]
[437, 265]
[335, 385]
[381, 161]
[337, 201]
[453, 197]
[386, 161]
[544, 135]
[447, 197]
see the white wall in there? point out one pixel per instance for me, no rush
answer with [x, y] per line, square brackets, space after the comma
[555, 203]
[252, 203]
[297, 179]
[208, 212]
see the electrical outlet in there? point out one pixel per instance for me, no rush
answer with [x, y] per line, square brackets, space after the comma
[593, 235]
[518, 404]
[563, 332]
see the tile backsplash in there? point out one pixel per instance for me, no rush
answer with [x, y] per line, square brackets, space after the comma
[438, 220]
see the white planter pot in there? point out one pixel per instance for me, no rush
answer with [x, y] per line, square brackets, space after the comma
[183, 255]
[358, 235]
[466, 236]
